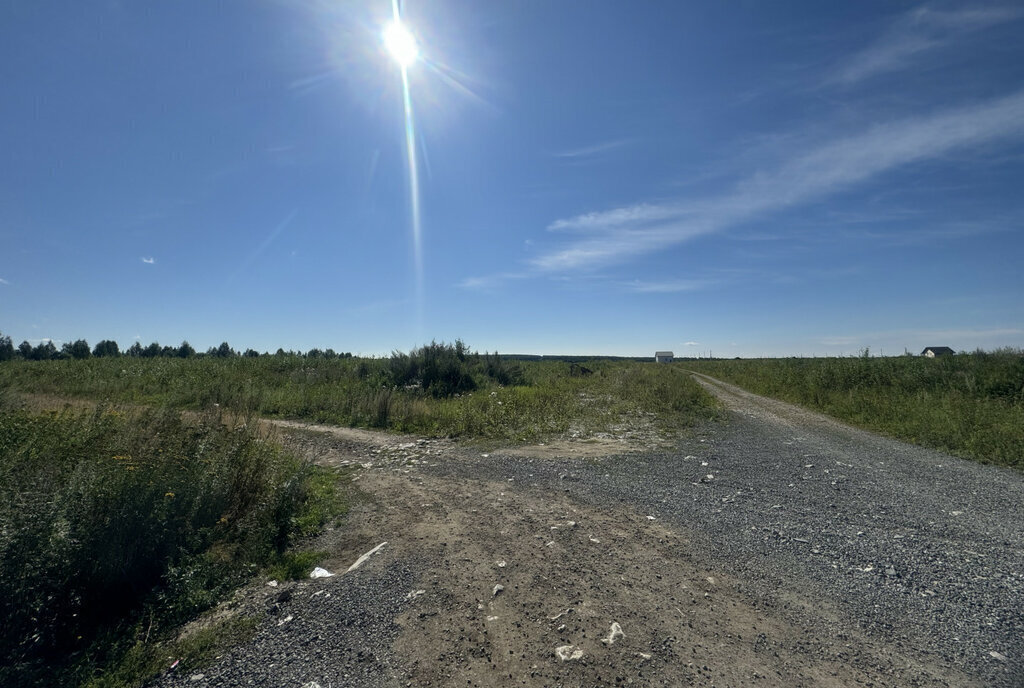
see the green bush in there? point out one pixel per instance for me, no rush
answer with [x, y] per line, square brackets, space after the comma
[444, 370]
[107, 516]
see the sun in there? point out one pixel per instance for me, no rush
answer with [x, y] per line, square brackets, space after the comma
[401, 44]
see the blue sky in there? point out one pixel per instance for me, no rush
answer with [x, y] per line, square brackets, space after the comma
[594, 177]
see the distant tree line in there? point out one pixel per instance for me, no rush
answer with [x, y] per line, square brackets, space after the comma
[47, 351]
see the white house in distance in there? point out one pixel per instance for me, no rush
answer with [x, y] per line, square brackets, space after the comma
[663, 356]
[933, 351]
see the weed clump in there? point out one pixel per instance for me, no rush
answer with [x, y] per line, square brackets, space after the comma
[111, 519]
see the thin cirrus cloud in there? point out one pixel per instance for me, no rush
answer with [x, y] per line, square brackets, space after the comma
[616, 235]
[916, 33]
[642, 212]
[148, 260]
[3, 281]
[482, 282]
[593, 150]
[672, 286]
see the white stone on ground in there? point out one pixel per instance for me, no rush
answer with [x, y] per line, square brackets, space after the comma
[568, 652]
[614, 634]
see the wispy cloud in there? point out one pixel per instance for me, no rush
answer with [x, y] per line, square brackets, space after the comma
[692, 344]
[3, 281]
[610, 219]
[593, 150]
[669, 286]
[148, 261]
[618, 244]
[489, 281]
[616, 235]
[919, 31]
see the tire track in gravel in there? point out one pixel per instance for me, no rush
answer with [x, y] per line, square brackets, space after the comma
[927, 548]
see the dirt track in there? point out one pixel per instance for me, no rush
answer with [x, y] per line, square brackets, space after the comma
[778, 548]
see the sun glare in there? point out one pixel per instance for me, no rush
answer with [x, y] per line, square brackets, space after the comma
[401, 44]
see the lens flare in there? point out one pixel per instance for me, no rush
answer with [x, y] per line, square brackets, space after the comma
[402, 47]
[414, 193]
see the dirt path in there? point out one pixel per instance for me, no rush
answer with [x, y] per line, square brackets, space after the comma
[550, 568]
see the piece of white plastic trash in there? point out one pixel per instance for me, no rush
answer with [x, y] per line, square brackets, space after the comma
[320, 573]
[361, 560]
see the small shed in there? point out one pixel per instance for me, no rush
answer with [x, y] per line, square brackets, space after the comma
[933, 351]
[663, 356]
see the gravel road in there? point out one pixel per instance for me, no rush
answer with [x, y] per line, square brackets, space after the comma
[776, 547]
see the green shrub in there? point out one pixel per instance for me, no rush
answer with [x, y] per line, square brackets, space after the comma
[107, 516]
[440, 370]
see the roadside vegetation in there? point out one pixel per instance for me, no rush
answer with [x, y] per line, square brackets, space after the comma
[435, 390]
[151, 497]
[117, 526]
[969, 404]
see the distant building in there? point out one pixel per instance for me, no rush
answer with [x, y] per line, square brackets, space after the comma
[663, 356]
[933, 351]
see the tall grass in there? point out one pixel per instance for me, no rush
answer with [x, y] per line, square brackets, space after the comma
[111, 522]
[969, 404]
[434, 390]
[116, 525]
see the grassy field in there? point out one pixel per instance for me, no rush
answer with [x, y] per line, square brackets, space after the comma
[970, 404]
[119, 522]
[121, 517]
[432, 391]
[118, 526]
